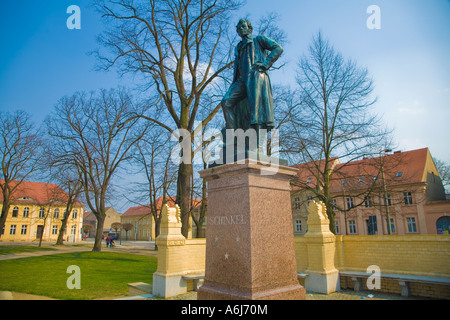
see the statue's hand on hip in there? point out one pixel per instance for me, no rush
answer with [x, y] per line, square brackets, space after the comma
[260, 67]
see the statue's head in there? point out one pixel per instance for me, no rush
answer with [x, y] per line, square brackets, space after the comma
[244, 28]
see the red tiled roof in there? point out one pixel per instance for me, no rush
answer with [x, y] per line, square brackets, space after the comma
[399, 168]
[38, 193]
[306, 171]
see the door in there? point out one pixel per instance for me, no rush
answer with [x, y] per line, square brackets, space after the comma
[39, 232]
[443, 225]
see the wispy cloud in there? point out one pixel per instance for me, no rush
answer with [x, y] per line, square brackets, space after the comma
[413, 108]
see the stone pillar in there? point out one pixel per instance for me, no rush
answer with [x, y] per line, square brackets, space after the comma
[167, 280]
[249, 235]
[322, 277]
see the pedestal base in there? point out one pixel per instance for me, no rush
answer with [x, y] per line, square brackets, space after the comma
[214, 292]
[249, 236]
[322, 283]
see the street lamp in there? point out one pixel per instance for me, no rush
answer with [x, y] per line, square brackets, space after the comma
[385, 191]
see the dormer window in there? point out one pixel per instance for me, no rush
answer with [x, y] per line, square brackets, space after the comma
[399, 174]
[361, 179]
[309, 180]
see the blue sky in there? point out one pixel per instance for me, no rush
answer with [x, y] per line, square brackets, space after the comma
[41, 60]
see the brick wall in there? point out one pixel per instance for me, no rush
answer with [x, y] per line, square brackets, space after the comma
[426, 255]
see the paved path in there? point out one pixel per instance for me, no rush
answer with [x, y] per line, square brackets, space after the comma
[128, 247]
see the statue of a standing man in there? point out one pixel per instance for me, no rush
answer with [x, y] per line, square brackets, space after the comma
[249, 103]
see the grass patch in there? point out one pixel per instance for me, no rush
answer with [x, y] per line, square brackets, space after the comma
[20, 249]
[103, 274]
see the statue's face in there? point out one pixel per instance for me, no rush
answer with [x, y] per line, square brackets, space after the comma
[243, 29]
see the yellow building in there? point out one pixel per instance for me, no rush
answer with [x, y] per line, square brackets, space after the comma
[404, 185]
[38, 208]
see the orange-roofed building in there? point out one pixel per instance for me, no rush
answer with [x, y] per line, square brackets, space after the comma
[404, 185]
[38, 208]
[141, 218]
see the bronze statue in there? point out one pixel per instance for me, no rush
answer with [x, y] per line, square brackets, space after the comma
[249, 103]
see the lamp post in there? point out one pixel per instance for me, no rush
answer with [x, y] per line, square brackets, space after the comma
[384, 189]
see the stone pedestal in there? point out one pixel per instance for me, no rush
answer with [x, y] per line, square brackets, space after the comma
[322, 277]
[249, 234]
[167, 280]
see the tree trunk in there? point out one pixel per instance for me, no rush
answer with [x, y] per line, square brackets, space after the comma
[183, 193]
[4, 215]
[98, 236]
[3, 218]
[60, 240]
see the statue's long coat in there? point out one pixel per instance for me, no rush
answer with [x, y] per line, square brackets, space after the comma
[257, 109]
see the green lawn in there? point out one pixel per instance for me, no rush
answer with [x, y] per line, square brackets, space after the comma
[103, 274]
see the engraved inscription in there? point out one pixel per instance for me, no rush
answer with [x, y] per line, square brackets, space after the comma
[226, 220]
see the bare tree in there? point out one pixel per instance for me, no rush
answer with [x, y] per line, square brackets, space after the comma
[331, 116]
[20, 152]
[127, 227]
[181, 48]
[87, 228]
[443, 169]
[73, 188]
[160, 173]
[93, 133]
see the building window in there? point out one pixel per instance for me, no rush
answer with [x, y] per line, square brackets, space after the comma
[56, 213]
[15, 212]
[389, 201]
[298, 225]
[24, 229]
[309, 200]
[399, 174]
[12, 230]
[349, 203]
[297, 203]
[41, 213]
[352, 226]
[74, 213]
[367, 201]
[336, 226]
[411, 222]
[334, 204]
[392, 225]
[73, 230]
[372, 225]
[407, 198]
[55, 230]
[26, 212]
